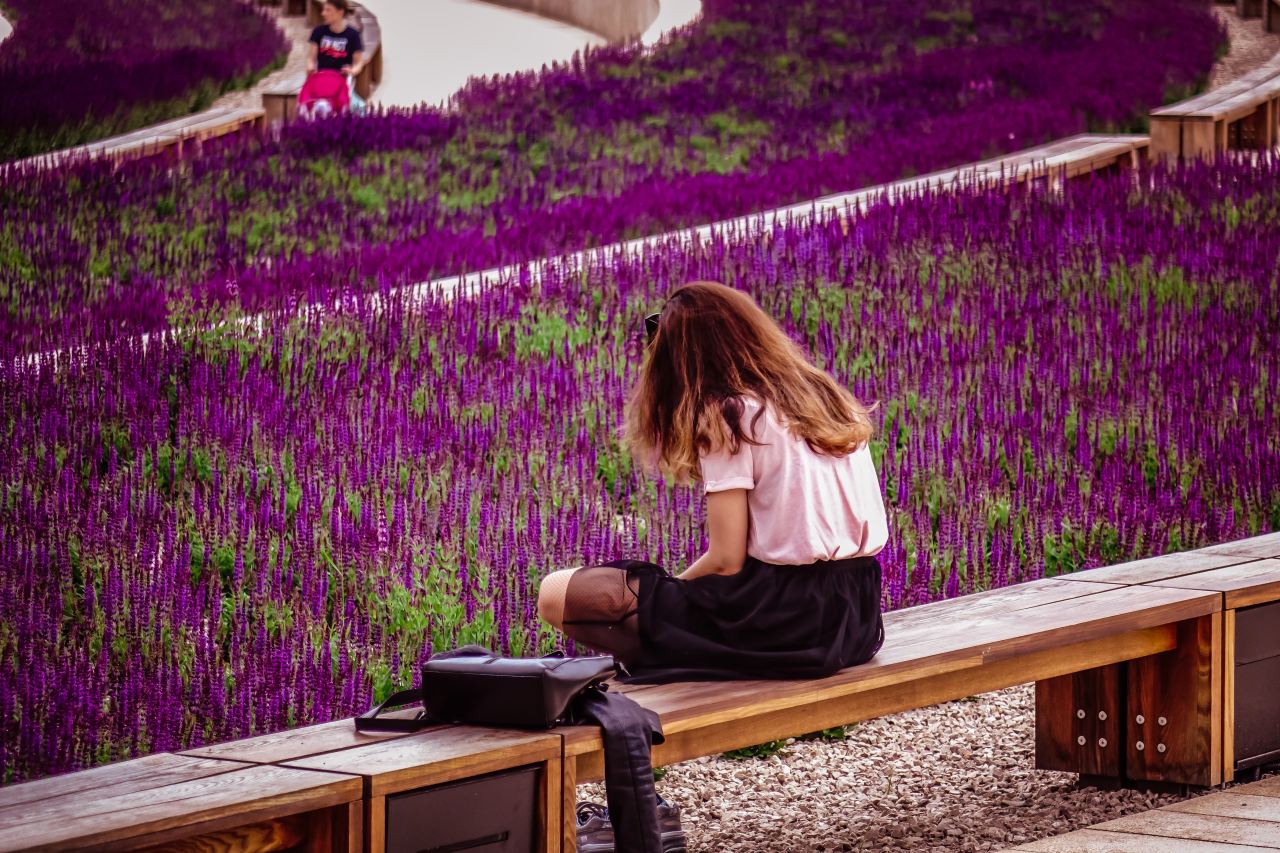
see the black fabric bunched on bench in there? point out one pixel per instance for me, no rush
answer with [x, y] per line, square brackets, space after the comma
[629, 732]
[766, 621]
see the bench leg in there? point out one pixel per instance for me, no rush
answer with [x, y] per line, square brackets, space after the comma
[550, 806]
[1166, 139]
[375, 824]
[1078, 722]
[1175, 709]
[569, 800]
[1154, 719]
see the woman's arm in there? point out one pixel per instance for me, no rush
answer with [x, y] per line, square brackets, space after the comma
[357, 64]
[726, 534]
[313, 52]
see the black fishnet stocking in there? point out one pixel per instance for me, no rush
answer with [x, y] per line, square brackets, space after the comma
[600, 611]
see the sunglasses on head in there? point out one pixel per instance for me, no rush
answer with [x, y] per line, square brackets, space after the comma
[651, 327]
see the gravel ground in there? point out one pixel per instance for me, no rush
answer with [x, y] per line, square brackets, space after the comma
[1251, 46]
[952, 778]
[296, 31]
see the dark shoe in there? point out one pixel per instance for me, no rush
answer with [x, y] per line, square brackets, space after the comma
[669, 822]
[595, 830]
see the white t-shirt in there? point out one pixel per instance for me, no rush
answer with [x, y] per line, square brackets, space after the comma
[802, 506]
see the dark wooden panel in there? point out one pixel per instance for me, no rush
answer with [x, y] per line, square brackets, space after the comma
[1257, 633]
[1257, 713]
[1174, 707]
[1079, 723]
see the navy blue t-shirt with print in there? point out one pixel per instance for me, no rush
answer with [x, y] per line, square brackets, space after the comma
[335, 50]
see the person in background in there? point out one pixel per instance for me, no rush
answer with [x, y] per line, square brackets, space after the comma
[336, 46]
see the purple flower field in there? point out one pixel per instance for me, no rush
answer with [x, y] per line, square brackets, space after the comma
[74, 72]
[758, 105]
[234, 532]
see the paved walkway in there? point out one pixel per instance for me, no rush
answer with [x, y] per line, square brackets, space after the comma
[1244, 819]
[432, 48]
[5, 28]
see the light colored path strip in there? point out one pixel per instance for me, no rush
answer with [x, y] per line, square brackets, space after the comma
[671, 14]
[5, 28]
[432, 47]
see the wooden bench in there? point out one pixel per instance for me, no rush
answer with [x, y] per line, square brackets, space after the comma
[160, 138]
[1246, 818]
[410, 780]
[1246, 574]
[167, 801]
[1066, 159]
[1248, 8]
[1241, 115]
[1271, 15]
[1144, 654]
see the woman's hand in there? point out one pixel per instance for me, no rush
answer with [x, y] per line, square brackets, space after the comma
[727, 524]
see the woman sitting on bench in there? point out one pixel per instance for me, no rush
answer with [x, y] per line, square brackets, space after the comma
[789, 585]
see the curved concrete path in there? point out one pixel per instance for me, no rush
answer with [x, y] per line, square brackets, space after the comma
[431, 49]
[5, 28]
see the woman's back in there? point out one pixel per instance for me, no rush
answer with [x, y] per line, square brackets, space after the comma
[803, 506]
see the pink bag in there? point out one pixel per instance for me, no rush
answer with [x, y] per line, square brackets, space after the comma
[324, 93]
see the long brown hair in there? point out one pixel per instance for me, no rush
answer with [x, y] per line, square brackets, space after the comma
[714, 344]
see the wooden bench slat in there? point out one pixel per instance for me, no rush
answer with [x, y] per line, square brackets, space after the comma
[241, 795]
[1208, 100]
[436, 756]
[1243, 585]
[298, 743]
[1160, 568]
[1257, 547]
[138, 774]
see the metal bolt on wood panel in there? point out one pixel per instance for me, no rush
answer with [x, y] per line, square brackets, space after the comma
[1080, 713]
[1081, 740]
[1139, 746]
[1161, 747]
[1102, 742]
[1140, 719]
[1162, 721]
[1102, 715]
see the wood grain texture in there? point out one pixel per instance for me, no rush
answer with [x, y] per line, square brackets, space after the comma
[375, 821]
[1243, 584]
[300, 742]
[246, 795]
[1097, 841]
[730, 724]
[568, 815]
[550, 806]
[1086, 705]
[122, 777]
[1159, 568]
[1228, 696]
[266, 837]
[1197, 827]
[434, 757]
[1178, 694]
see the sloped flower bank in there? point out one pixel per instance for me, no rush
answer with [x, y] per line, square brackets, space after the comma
[73, 72]
[233, 532]
[760, 104]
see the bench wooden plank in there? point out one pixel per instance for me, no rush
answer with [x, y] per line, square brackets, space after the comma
[1151, 569]
[121, 777]
[287, 745]
[1197, 827]
[436, 756]
[1097, 841]
[242, 795]
[690, 737]
[1243, 585]
[1256, 547]
[1207, 100]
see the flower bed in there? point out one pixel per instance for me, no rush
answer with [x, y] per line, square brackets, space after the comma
[758, 105]
[235, 531]
[73, 72]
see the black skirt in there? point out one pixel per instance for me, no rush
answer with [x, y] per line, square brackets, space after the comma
[766, 621]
